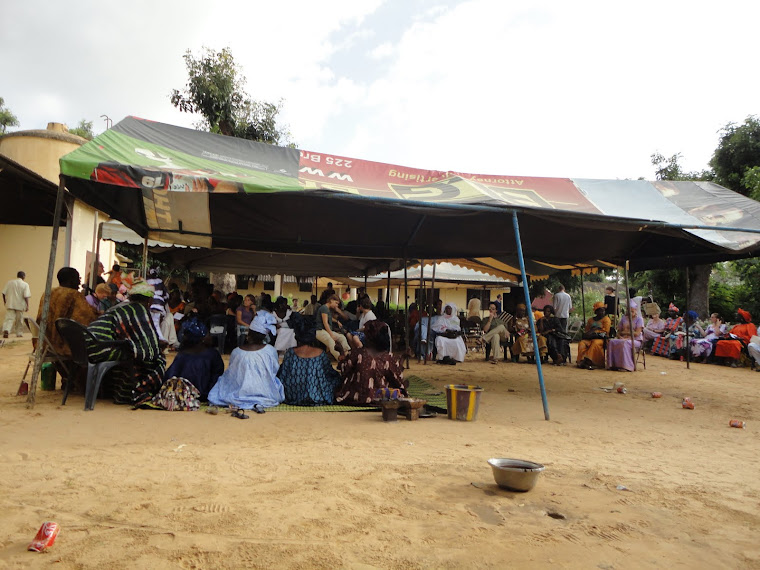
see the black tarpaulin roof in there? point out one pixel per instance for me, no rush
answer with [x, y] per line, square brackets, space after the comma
[195, 188]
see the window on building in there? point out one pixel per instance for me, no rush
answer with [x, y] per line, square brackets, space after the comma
[432, 294]
[483, 294]
[268, 285]
[305, 287]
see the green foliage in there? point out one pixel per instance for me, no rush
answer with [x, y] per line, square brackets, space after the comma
[84, 130]
[751, 181]
[671, 169]
[216, 91]
[744, 287]
[665, 285]
[589, 298]
[722, 300]
[7, 119]
[738, 152]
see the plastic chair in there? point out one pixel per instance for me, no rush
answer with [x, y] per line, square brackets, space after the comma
[640, 352]
[78, 337]
[215, 322]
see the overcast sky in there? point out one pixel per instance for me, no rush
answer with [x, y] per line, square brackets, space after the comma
[579, 89]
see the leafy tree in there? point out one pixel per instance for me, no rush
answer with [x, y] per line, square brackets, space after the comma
[670, 169]
[7, 119]
[738, 152]
[670, 284]
[84, 130]
[216, 91]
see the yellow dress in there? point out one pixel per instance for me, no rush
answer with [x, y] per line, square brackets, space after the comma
[523, 343]
[593, 349]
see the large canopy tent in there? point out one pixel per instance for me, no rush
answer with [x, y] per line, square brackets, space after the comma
[196, 188]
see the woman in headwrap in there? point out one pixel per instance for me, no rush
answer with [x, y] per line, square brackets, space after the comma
[306, 373]
[250, 381]
[556, 340]
[619, 349]
[739, 336]
[522, 342]
[665, 345]
[131, 321]
[370, 368]
[449, 344]
[197, 361]
[591, 346]
[701, 348]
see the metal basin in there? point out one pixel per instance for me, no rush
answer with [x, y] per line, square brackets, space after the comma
[515, 474]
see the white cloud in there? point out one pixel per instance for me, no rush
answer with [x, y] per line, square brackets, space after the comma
[382, 51]
[554, 88]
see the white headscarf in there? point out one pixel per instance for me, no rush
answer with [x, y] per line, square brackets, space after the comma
[444, 322]
[264, 322]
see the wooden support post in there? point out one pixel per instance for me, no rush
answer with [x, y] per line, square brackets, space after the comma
[30, 399]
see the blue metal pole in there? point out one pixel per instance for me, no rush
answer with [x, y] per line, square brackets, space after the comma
[530, 315]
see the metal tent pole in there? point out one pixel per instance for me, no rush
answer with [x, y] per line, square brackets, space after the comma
[30, 399]
[95, 248]
[406, 313]
[583, 300]
[536, 351]
[430, 315]
[628, 313]
[422, 304]
[686, 326]
[144, 271]
[388, 293]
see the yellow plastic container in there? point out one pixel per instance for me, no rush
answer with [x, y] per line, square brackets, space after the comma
[462, 401]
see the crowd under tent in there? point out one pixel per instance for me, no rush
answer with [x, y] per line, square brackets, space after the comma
[200, 189]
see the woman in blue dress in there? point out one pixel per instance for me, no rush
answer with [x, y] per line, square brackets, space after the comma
[196, 361]
[250, 381]
[306, 373]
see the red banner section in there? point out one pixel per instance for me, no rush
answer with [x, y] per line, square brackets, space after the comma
[367, 178]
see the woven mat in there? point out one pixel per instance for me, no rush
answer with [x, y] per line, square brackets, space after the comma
[418, 388]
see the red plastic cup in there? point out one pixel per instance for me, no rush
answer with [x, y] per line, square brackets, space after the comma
[656, 394]
[45, 537]
[737, 424]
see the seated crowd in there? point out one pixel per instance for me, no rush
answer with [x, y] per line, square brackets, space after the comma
[677, 337]
[151, 319]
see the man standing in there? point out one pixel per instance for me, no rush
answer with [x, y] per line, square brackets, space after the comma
[497, 302]
[562, 305]
[16, 298]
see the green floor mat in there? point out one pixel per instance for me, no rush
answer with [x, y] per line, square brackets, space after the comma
[418, 388]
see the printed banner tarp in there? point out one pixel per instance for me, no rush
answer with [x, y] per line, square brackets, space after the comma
[196, 188]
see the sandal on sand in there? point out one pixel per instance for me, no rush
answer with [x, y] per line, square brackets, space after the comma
[259, 409]
[239, 414]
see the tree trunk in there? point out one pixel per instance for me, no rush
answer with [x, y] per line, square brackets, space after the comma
[700, 289]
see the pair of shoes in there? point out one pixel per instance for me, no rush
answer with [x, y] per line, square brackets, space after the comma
[239, 414]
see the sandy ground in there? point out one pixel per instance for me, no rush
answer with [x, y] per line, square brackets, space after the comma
[149, 489]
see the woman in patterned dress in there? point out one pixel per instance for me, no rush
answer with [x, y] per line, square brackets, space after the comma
[306, 373]
[370, 368]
